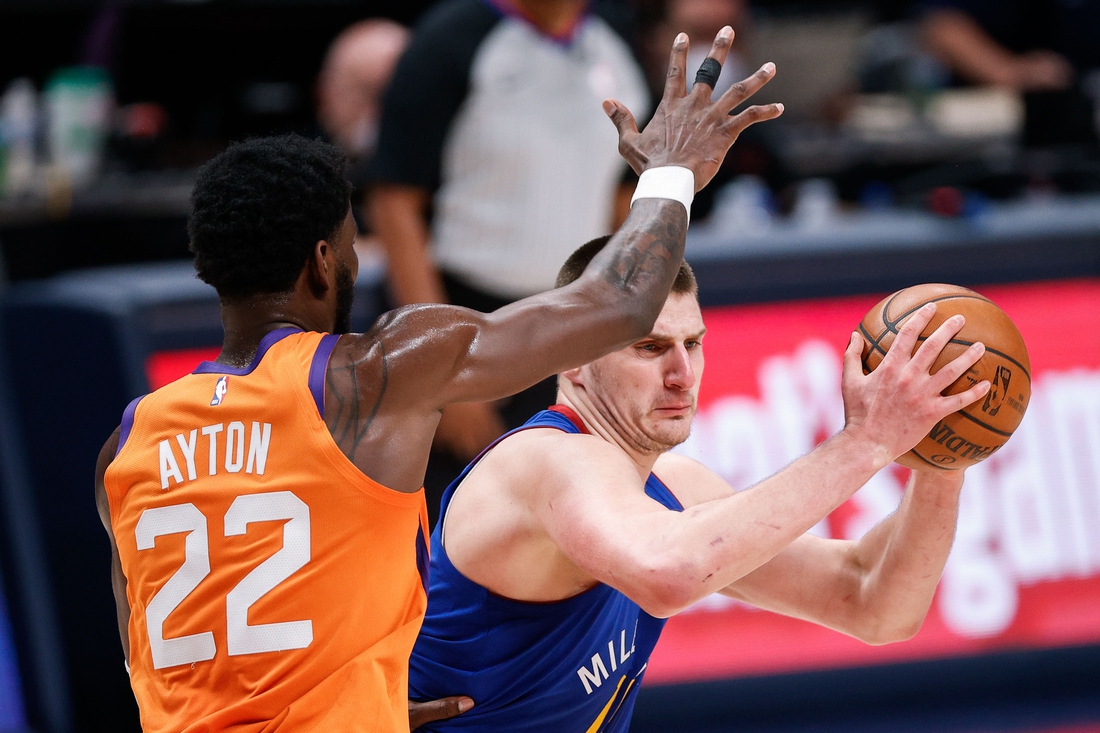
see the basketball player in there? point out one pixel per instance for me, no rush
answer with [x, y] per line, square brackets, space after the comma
[560, 552]
[265, 512]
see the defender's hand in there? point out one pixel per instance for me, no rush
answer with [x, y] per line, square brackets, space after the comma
[688, 129]
[896, 405]
[421, 713]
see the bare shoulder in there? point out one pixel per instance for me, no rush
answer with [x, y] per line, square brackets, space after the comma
[689, 480]
[547, 461]
[411, 348]
[549, 451]
[413, 328]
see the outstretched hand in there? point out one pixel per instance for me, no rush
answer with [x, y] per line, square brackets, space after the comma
[688, 129]
[900, 401]
[422, 713]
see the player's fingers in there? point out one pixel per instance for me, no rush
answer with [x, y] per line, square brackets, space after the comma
[902, 348]
[742, 90]
[853, 358]
[930, 350]
[621, 117]
[955, 402]
[958, 366]
[675, 82]
[421, 713]
[627, 128]
[708, 73]
[752, 115]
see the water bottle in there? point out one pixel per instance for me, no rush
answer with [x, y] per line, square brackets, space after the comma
[79, 102]
[18, 122]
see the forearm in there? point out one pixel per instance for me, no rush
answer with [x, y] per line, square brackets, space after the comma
[633, 274]
[614, 303]
[711, 545]
[902, 558]
[620, 207]
[397, 214]
[962, 44]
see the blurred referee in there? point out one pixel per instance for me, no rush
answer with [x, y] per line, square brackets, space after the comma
[494, 160]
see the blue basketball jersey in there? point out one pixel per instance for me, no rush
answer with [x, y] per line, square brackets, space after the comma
[571, 666]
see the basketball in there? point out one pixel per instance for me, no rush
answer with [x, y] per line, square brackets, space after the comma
[981, 428]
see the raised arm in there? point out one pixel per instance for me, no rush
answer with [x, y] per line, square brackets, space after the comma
[666, 561]
[877, 589]
[961, 43]
[398, 214]
[468, 356]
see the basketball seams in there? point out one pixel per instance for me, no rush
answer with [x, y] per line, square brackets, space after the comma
[943, 467]
[874, 347]
[976, 421]
[875, 342]
[920, 305]
[891, 326]
[992, 351]
[930, 463]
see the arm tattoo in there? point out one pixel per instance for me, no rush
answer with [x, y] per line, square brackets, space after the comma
[345, 422]
[652, 255]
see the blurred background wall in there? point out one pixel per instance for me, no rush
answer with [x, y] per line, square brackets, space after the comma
[923, 141]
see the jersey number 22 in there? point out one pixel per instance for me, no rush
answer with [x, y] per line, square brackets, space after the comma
[242, 638]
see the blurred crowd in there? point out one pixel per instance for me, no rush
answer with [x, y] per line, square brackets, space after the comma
[930, 78]
[481, 156]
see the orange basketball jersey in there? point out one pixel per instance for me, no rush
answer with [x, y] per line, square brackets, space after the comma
[272, 586]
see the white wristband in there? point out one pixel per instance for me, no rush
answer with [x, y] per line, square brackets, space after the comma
[667, 182]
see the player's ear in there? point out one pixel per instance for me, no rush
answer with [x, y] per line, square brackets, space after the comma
[320, 268]
[573, 376]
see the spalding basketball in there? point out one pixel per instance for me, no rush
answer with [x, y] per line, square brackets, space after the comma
[979, 429]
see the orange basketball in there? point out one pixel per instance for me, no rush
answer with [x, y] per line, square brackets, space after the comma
[979, 429]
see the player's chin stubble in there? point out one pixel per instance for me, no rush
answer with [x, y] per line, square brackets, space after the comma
[660, 435]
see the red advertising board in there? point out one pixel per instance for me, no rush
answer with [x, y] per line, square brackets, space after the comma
[1025, 568]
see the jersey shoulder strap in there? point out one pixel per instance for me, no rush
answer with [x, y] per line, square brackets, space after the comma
[557, 416]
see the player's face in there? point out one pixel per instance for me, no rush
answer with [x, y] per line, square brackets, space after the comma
[648, 391]
[347, 267]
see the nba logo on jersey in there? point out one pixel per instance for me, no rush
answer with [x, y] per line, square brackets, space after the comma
[219, 391]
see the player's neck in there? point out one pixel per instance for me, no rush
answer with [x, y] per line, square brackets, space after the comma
[597, 424]
[247, 320]
[552, 17]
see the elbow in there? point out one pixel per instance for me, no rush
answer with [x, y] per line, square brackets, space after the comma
[639, 323]
[663, 605]
[626, 311]
[663, 589]
[890, 631]
[627, 321]
[636, 316]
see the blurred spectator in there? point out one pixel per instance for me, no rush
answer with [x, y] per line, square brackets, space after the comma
[495, 161]
[700, 19]
[1041, 48]
[357, 69]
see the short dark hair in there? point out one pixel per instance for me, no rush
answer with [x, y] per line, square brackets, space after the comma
[684, 284]
[258, 209]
